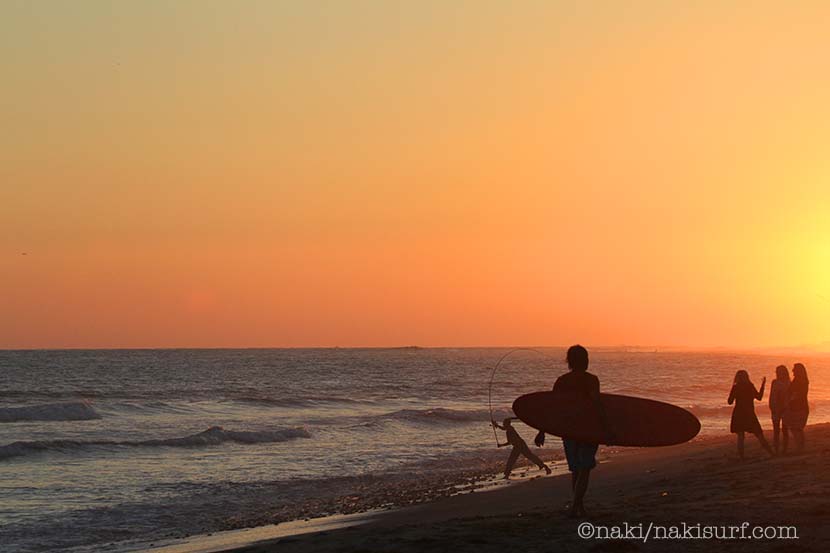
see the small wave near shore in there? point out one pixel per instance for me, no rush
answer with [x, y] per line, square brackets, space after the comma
[214, 435]
[67, 411]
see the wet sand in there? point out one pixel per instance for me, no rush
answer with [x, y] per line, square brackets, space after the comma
[701, 482]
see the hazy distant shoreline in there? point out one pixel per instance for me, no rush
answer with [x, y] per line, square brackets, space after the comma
[822, 349]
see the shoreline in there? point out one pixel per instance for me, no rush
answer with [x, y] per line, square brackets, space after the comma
[700, 482]
[371, 496]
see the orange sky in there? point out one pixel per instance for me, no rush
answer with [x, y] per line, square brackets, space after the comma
[369, 174]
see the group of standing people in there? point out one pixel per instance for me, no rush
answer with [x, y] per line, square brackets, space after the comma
[787, 404]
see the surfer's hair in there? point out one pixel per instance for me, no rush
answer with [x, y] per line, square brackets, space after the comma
[742, 377]
[782, 373]
[577, 358]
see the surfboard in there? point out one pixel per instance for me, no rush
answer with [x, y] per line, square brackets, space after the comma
[635, 421]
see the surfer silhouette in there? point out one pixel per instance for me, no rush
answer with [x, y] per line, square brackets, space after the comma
[519, 448]
[581, 456]
[743, 395]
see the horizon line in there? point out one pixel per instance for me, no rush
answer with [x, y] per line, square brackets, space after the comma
[823, 348]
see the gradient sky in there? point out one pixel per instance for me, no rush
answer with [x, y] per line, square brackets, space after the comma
[437, 173]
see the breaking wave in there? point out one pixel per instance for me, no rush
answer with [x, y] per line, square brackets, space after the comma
[75, 411]
[308, 401]
[445, 415]
[214, 435]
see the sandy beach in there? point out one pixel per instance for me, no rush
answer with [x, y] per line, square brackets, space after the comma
[698, 483]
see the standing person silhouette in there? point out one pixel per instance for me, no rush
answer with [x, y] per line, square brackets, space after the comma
[743, 395]
[581, 456]
[798, 408]
[519, 448]
[779, 401]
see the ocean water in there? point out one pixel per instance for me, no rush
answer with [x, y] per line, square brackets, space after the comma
[113, 450]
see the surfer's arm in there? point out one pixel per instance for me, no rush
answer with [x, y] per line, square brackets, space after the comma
[731, 399]
[497, 425]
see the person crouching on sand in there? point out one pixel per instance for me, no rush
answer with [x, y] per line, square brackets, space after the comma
[519, 448]
[743, 395]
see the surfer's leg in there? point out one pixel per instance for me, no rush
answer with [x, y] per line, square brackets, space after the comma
[785, 438]
[741, 445]
[579, 492]
[575, 474]
[514, 454]
[570, 447]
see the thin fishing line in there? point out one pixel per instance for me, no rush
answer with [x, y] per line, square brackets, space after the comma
[493, 375]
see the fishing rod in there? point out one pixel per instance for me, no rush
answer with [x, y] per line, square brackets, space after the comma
[493, 375]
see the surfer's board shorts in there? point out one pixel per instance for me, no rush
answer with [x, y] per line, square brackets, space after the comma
[580, 456]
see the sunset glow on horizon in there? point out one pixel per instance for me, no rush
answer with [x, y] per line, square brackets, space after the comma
[214, 174]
